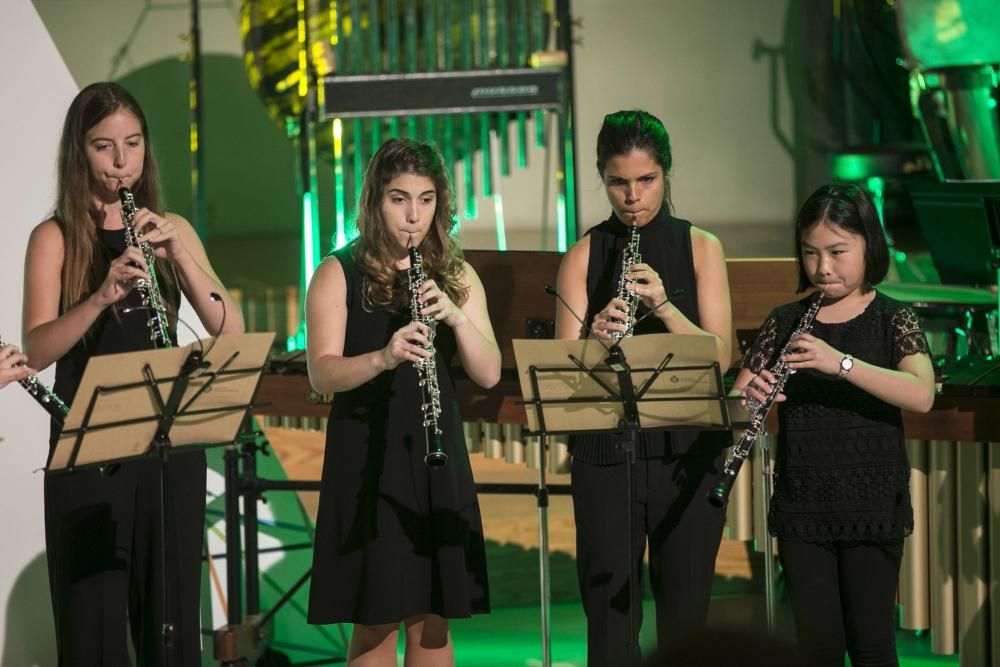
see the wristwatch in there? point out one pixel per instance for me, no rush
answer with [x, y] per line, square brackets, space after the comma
[846, 364]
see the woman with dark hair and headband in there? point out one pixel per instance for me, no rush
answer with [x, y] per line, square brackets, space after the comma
[682, 278]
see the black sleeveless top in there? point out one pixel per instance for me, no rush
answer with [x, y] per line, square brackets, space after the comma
[841, 472]
[664, 244]
[112, 332]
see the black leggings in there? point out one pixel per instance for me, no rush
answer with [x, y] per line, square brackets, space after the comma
[843, 598]
[683, 530]
[103, 546]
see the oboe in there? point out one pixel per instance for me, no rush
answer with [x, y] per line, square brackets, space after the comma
[630, 256]
[430, 407]
[719, 495]
[149, 290]
[47, 398]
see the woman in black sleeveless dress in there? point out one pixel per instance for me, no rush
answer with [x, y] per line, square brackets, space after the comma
[682, 277]
[397, 541]
[841, 503]
[102, 537]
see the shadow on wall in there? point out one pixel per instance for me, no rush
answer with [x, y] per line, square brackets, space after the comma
[29, 638]
[249, 170]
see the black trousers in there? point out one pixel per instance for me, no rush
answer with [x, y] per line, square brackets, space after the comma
[670, 511]
[843, 598]
[103, 546]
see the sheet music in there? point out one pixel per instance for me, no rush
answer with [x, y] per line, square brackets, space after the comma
[233, 389]
[680, 396]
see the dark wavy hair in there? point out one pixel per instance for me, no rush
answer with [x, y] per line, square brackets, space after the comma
[85, 263]
[442, 257]
[625, 131]
[850, 208]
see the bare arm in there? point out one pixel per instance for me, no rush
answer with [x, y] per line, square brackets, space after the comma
[477, 345]
[198, 281]
[714, 309]
[47, 335]
[572, 285]
[326, 325]
[910, 386]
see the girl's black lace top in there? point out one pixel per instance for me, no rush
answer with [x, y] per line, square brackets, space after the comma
[841, 471]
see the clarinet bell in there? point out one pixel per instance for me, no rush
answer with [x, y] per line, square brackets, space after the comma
[435, 456]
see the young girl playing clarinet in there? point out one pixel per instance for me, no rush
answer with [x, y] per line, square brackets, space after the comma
[841, 504]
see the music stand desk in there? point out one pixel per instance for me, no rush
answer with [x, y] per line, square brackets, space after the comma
[649, 382]
[143, 404]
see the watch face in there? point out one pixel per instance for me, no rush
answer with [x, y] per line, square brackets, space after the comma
[846, 364]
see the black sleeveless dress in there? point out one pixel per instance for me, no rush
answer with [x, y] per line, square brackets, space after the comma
[394, 538]
[841, 472]
[102, 531]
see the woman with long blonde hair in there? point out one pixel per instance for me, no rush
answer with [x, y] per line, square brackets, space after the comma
[397, 542]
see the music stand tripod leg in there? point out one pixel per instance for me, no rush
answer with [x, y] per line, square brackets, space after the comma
[234, 562]
[251, 496]
[162, 445]
[628, 447]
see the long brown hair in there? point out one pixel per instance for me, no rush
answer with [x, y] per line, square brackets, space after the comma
[85, 263]
[442, 258]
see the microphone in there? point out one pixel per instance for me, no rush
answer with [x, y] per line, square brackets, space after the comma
[214, 296]
[552, 291]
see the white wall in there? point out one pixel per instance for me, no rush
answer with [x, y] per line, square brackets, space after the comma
[690, 64]
[37, 88]
[133, 33]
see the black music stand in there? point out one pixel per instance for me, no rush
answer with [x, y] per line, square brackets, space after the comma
[600, 390]
[125, 416]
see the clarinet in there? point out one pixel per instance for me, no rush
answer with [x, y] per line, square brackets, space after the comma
[47, 398]
[630, 256]
[149, 290]
[719, 495]
[430, 407]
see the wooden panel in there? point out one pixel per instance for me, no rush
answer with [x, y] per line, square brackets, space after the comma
[515, 282]
[757, 286]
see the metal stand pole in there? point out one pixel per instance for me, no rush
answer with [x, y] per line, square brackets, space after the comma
[234, 545]
[195, 100]
[764, 448]
[542, 495]
[251, 559]
[167, 629]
